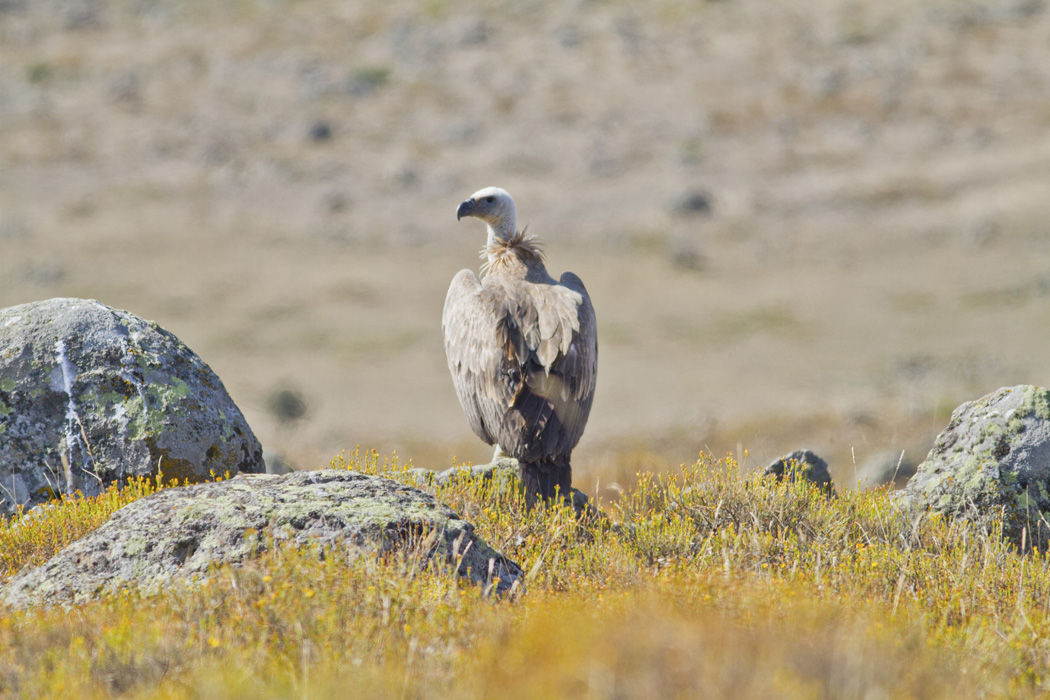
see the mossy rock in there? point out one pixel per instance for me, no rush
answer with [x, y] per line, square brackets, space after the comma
[91, 395]
[180, 534]
[992, 462]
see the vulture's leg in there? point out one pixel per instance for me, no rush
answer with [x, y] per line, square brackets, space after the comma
[544, 478]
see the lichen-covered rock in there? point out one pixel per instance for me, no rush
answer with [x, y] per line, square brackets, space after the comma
[804, 465]
[91, 395]
[992, 461]
[178, 534]
[505, 473]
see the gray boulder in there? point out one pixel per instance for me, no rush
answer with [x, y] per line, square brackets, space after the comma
[804, 465]
[179, 534]
[992, 461]
[504, 471]
[91, 395]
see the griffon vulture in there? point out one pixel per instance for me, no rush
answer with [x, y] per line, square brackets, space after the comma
[522, 348]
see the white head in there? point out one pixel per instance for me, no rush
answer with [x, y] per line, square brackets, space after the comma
[494, 206]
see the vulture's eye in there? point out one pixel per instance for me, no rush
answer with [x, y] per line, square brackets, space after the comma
[490, 199]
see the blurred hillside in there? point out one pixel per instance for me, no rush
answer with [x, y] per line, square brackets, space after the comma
[817, 224]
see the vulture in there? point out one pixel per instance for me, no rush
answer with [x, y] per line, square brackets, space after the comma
[522, 349]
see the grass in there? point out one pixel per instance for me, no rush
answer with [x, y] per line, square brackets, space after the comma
[33, 538]
[706, 583]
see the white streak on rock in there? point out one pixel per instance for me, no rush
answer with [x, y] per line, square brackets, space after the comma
[69, 375]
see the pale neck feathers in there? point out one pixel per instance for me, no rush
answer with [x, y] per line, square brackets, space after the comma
[520, 247]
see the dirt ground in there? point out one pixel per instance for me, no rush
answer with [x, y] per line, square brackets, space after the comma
[818, 224]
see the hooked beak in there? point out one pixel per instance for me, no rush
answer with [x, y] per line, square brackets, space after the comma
[466, 209]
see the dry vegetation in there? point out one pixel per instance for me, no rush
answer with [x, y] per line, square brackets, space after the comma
[33, 538]
[712, 584]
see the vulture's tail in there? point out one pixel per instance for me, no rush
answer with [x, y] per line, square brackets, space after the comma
[544, 477]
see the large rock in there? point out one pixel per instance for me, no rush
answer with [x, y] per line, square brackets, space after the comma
[91, 395]
[802, 465]
[177, 534]
[992, 460]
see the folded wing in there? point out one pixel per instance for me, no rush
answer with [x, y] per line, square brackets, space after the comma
[523, 357]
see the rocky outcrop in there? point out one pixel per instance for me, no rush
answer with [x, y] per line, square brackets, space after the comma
[91, 395]
[178, 534]
[802, 465]
[991, 462]
[504, 471]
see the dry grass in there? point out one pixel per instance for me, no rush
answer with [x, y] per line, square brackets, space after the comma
[711, 585]
[35, 537]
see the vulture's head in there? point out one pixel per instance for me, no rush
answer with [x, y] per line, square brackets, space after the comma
[492, 205]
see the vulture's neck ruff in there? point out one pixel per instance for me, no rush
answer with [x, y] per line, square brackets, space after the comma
[519, 248]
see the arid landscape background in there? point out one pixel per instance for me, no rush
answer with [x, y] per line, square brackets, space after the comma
[818, 224]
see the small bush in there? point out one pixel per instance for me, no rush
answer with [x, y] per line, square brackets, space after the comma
[34, 537]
